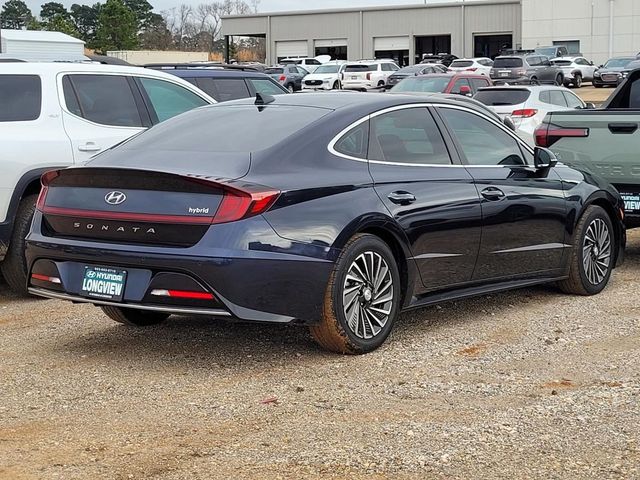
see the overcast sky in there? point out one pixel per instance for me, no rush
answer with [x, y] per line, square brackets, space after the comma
[265, 5]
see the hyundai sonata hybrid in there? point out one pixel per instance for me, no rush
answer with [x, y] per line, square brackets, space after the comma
[330, 210]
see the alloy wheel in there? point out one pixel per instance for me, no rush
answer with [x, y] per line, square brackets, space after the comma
[596, 251]
[578, 81]
[368, 295]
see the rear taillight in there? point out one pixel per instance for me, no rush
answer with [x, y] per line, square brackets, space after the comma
[524, 113]
[369, 76]
[547, 134]
[45, 180]
[183, 294]
[244, 203]
[282, 78]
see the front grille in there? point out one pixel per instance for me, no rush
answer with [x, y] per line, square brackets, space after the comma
[313, 82]
[611, 77]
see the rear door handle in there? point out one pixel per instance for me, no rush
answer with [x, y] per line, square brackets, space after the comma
[492, 193]
[623, 127]
[89, 147]
[402, 198]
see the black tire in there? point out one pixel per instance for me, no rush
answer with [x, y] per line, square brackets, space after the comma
[14, 265]
[334, 331]
[133, 317]
[577, 80]
[559, 81]
[336, 85]
[579, 282]
[535, 81]
[381, 83]
[597, 85]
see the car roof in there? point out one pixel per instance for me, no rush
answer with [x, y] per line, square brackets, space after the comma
[530, 88]
[58, 67]
[213, 73]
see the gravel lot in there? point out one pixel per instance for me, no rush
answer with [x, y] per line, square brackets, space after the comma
[527, 384]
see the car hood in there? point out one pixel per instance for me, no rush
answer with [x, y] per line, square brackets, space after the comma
[320, 76]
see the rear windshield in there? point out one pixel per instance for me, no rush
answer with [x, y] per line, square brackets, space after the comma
[462, 63]
[359, 68]
[412, 69]
[327, 69]
[508, 62]
[20, 97]
[274, 70]
[502, 96]
[227, 128]
[561, 62]
[423, 85]
[618, 62]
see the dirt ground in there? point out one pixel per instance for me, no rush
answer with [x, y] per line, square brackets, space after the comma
[589, 93]
[522, 385]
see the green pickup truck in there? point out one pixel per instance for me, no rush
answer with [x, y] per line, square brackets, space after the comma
[604, 141]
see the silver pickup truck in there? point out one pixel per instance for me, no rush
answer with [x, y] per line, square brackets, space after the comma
[604, 141]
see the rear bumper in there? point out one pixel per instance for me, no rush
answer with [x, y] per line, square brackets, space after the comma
[270, 280]
[356, 85]
[511, 81]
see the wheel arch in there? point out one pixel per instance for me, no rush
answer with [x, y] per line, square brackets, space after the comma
[603, 200]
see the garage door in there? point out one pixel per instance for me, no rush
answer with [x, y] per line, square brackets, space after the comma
[391, 43]
[292, 49]
[333, 42]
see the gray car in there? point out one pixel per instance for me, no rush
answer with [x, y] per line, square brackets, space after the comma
[525, 70]
[412, 71]
[289, 76]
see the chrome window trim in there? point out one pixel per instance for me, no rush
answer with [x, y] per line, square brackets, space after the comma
[333, 151]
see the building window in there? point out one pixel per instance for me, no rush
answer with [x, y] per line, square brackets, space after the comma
[573, 46]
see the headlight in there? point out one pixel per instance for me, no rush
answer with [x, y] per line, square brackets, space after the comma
[597, 74]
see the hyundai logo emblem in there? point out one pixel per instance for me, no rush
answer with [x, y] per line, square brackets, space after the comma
[115, 198]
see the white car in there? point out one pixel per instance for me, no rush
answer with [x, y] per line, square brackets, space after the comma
[53, 115]
[309, 64]
[527, 106]
[478, 66]
[366, 74]
[326, 77]
[576, 70]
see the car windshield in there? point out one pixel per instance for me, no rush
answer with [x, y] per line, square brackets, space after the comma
[274, 70]
[562, 62]
[507, 62]
[502, 96]
[618, 62]
[327, 69]
[547, 52]
[633, 65]
[423, 85]
[359, 68]
[461, 63]
[239, 128]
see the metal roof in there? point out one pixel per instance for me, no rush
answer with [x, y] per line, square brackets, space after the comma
[38, 36]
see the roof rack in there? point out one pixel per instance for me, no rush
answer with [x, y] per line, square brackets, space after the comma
[203, 65]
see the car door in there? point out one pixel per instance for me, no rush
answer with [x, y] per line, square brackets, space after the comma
[299, 73]
[523, 209]
[433, 200]
[548, 72]
[100, 111]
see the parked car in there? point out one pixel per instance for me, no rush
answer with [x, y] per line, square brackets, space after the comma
[57, 114]
[552, 51]
[286, 225]
[326, 77]
[527, 106]
[443, 58]
[480, 66]
[309, 64]
[225, 85]
[610, 74]
[366, 74]
[602, 142]
[463, 84]
[526, 70]
[575, 70]
[289, 76]
[630, 68]
[413, 71]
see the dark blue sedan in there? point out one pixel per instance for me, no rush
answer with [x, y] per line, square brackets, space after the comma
[335, 211]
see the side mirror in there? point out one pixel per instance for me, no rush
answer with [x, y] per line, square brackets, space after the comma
[465, 90]
[544, 158]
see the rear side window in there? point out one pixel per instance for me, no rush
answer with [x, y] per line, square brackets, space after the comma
[168, 99]
[497, 97]
[461, 82]
[407, 136]
[266, 87]
[103, 99]
[354, 143]
[507, 62]
[224, 89]
[479, 83]
[20, 98]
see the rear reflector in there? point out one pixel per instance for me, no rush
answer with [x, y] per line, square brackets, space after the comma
[547, 134]
[183, 294]
[45, 278]
[524, 113]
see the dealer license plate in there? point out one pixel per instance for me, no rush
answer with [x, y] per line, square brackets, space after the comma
[631, 202]
[104, 283]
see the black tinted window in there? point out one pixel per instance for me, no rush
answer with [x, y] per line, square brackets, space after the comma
[355, 142]
[20, 98]
[482, 142]
[497, 97]
[507, 62]
[407, 136]
[105, 99]
[230, 89]
[358, 68]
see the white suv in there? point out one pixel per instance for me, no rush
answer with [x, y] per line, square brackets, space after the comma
[326, 77]
[53, 115]
[366, 74]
